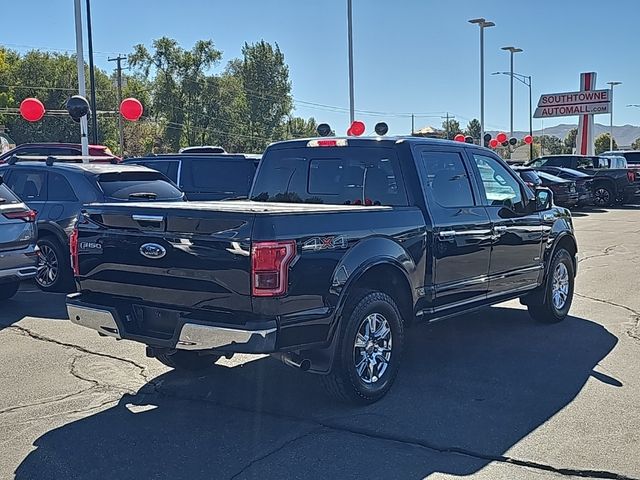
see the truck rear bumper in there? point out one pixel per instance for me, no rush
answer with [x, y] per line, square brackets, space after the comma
[189, 335]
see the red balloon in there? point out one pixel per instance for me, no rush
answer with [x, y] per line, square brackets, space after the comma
[459, 138]
[501, 137]
[528, 139]
[31, 109]
[131, 109]
[493, 143]
[357, 128]
[349, 133]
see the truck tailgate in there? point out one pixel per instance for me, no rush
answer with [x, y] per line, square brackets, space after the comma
[185, 259]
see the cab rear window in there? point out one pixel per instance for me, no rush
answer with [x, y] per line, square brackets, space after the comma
[137, 186]
[336, 176]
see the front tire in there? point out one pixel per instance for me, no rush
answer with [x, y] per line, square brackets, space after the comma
[554, 303]
[369, 349]
[54, 267]
[603, 196]
[187, 361]
[8, 290]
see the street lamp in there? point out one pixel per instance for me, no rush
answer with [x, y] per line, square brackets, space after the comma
[611, 84]
[512, 50]
[525, 80]
[352, 114]
[482, 23]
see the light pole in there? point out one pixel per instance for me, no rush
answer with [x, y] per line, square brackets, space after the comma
[352, 114]
[512, 50]
[482, 23]
[525, 80]
[611, 84]
[81, 82]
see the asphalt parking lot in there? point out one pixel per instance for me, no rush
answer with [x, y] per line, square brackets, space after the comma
[492, 395]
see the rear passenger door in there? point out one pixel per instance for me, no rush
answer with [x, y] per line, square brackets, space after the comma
[217, 178]
[170, 168]
[62, 205]
[516, 252]
[461, 240]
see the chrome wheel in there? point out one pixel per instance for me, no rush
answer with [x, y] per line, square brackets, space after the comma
[601, 196]
[560, 288]
[372, 348]
[48, 266]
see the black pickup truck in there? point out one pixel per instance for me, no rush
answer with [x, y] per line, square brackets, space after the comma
[610, 185]
[343, 244]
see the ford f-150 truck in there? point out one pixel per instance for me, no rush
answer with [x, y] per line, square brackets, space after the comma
[343, 244]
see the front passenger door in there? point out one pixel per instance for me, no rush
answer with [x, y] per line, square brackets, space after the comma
[516, 252]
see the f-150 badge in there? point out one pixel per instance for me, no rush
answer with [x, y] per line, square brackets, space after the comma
[325, 243]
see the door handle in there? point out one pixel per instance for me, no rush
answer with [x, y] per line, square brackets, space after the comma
[446, 234]
[148, 218]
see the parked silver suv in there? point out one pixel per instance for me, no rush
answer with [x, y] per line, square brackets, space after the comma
[18, 251]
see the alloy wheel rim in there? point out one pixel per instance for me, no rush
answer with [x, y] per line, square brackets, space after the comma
[601, 196]
[48, 266]
[372, 348]
[560, 289]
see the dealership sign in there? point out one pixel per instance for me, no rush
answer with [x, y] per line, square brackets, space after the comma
[573, 103]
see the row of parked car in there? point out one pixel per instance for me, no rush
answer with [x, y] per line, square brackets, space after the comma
[44, 186]
[578, 181]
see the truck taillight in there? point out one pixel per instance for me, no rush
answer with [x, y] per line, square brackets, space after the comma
[270, 267]
[26, 215]
[631, 175]
[73, 250]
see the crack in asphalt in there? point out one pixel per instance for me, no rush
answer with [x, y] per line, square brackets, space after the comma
[275, 450]
[634, 331]
[36, 336]
[607, 251]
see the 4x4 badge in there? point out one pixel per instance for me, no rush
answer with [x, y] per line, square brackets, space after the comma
[325, 243]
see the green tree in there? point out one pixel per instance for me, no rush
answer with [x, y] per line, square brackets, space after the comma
[296, 127]
[474, 129]
[602, 143]
[178, 84]
[570, 140]
[550, 145]
[264, 76]
[451, 128]
[636, 144]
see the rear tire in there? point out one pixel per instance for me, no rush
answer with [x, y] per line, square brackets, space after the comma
[370, 345]
[553, 305]
[187, 361]
[54, 267]
[8, 290]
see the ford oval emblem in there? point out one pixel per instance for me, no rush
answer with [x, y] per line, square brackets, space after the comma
[153, 251]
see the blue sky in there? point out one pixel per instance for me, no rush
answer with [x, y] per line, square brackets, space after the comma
[411, 56]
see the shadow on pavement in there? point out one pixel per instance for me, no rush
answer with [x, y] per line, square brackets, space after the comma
[478, 383]
[32, 302]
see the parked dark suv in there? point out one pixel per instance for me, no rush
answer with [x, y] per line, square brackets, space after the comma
[206, 176]
[57, 191]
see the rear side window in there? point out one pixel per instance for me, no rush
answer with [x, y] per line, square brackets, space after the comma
[29, 185]
[7, 197]
[169, 169]
[633, 158]
[59, 189]
[333, 175]
[137, 186]
[232, 177]
[447, 179]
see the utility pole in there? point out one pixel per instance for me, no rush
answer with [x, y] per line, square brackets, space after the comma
[446, 125]
[119, 59]
[413, 124]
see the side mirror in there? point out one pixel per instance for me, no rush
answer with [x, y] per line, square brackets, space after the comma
[544, 199]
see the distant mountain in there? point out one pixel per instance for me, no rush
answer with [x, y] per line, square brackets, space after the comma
[624, 135]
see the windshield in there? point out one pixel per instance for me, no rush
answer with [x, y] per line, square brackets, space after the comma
[334, 175]
[138, 186]
[574, 173]
[551, 178]
[538, 162]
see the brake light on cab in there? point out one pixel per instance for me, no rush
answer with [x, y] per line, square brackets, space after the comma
[329, 142]
[270, 263]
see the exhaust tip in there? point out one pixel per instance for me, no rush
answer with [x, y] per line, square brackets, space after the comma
[305, 365]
